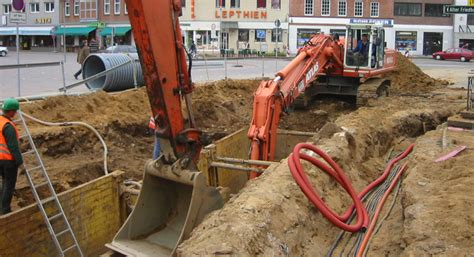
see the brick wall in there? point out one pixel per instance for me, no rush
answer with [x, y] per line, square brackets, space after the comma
[93, 210]
[424, 20]
[385, 9]
[110, 18]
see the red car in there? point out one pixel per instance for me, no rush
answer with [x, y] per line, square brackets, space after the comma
[462, 54]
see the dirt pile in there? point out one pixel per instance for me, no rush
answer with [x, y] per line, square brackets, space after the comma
[409, 78]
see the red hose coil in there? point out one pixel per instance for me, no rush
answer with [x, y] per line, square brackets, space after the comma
[337, 173]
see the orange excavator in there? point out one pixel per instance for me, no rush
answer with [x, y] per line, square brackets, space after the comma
[327, 65]
[174, 197]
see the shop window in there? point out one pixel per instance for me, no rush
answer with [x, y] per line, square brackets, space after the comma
[183, 3]
[116, 7]
[342, 8]
[405, 40]
[276, 4]
[277, 34]
[234, 3]
[358, 8]
[49, 6]
[470, 19]
[308, 7]
[220, 3]
[106, 7]
[34, 7]
[7, 8]
[374, 9]
[435, 10]
[67, 8]
[261, 3]
[260, 35]
[243, 35]
[304, 35]
[325, 7]
[339, 32]
[407, 9]
[76, 7]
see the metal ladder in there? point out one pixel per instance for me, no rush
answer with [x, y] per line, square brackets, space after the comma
[46, 183]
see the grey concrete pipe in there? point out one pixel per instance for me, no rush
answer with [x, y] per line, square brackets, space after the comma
[117, 80]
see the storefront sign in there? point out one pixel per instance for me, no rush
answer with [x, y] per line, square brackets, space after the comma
[97, 24]
[470, 2]
[458, 9]
[43, 20]
[387, 22]
[18, 17]
[256, 15]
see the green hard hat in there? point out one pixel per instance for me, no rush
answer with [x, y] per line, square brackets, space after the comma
[10, 104]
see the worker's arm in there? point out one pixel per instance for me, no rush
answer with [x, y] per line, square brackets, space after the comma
[12, 142]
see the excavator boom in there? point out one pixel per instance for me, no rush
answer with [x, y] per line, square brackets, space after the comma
[322, 54]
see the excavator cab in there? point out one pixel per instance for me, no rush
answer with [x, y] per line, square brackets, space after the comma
[364, 46]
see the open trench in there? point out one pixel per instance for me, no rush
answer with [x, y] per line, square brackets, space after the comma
[272, 217]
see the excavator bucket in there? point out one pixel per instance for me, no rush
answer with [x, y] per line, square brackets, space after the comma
[171, 203]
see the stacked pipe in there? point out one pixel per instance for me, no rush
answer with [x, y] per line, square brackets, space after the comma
[126, 77]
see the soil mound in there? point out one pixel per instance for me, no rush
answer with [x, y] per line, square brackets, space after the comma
[409, 78]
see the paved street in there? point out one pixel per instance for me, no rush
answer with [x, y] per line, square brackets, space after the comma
[46, 80]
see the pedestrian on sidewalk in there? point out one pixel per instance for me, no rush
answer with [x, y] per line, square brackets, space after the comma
[84, 51]
[10, 155]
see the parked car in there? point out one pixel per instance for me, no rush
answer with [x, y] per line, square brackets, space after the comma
[121, 49]
[462, 54]
[3, 51]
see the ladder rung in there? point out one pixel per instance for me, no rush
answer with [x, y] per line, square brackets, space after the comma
[70, 247]
[62, 232]
[42, 184]
[30, 151]
[47, 200]
[55, 216]
[34, 168]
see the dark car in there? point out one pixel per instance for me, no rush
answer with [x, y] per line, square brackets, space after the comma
[462, 54]
[121, 49]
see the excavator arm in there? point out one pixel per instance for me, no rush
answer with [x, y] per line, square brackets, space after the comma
[174, 197]
[321, 55]
[163, 59]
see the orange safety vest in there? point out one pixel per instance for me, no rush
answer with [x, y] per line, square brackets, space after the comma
[5, 154]
[151, 123]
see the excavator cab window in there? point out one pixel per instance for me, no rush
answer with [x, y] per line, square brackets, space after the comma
[359, 47]
[379, 48]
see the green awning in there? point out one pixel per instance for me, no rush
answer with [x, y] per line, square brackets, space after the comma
[79, 31]
[119, 31]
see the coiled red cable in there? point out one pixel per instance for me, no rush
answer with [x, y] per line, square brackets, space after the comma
[337, 173]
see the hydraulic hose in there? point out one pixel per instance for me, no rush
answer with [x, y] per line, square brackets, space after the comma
[75, 123]
[337, 173]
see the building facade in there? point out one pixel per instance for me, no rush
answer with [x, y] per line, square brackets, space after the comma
[103, 21]
[308, 17]
[421, 26]
[463, 28]
[416, 25]
[236, 25]
[41, 17]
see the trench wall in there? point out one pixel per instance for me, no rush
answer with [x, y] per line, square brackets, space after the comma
[93, 210]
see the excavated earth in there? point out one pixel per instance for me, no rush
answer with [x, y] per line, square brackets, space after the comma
[433, 214]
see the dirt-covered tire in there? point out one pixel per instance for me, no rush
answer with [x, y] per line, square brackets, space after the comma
[463, 59]
[3, 53]
[438, 57]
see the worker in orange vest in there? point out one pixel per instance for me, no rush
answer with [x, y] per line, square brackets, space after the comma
[157, 147]
[10, 155]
